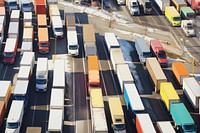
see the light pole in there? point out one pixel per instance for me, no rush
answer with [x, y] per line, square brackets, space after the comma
[183, 42]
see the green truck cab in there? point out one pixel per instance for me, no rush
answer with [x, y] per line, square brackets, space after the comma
[182, 118]
[187, 13]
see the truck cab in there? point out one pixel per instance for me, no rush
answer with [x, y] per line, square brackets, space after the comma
[157, 50]
[133, 7]
[187, 27]
[43, 40]
[10, 51]
[73, 47]
[25, 5]
[12, 5]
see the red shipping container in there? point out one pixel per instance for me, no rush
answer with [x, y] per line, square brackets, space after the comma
[40, 6]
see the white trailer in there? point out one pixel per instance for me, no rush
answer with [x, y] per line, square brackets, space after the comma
[59, 74]
[15, 15]
[116, 57]
[111, 41]
[2, 24]
[192, 90]
[55, 123]
[42, 74]
[124, 75]
[24, 73]
[28, 17]
[57, 99]
[73, 47]
[165, 127]
[26, 47]
[28, 59]
[162, 4]
[15, 116]
[5, 89]
[13, 30]
[21, 90]
[28, 34]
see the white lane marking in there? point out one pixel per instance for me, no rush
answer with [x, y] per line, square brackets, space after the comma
[34, 111]
[5, 72]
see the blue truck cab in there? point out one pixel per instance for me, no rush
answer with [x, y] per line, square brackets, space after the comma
[182, 118]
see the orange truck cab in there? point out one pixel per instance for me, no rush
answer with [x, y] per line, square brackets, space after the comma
[43, 40]
[158, 51]
[93, 72]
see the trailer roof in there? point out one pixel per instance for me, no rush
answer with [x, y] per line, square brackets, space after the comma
[13, 27]
[96, 98]
[72, 37]
[26, 46]
[53, 10]
[156, 68]
[10, 44]
[24, 72]
[2, 106]
[117, 56]
[15, 14]
[21, 87]
[145, 123]
[99, 117]
[70, 20]
[115, 106]
[180, 2]
[193, 84]
[57, 99]
[134, 97]
[142, 44]
[43, 35]
[169, 90]
[187, 10]
[59, 73]
[180, 68]
[28, 16]
[88, 33]
[173, 10]
[16, 108]
[2, 11]
[93, 63]
[42, 65]
[125, 73]
[42, 19]
[55, 120]
[166, 127]
[28, 33]
[2, 18]
[111, 40]
[4, 87]
[182, 113]
[27, 58]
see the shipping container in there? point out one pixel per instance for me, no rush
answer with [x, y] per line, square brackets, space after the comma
[111, 41]
[117, 58]
[2, 26]
[192, 90]
[168, 94]
[42, 20]
[132, 99]
[180, 71]
[53, 10]
[89, 40]
[70, 21]
[2, 11]
[24, 73]
[5, 89]
[59, 74]
[40, 6]
[165, 127]
[124, 76]
[144, 124]
[155, 72]
[28, 59]
[195, 4]
[117, 114]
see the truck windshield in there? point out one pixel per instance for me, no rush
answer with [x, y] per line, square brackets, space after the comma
[27, 5]
[13, 125]
[189, 128]
[44, 44]
[177, 19]
[191, 16]
[58, 29]
[18, 97]
[148, 5]
[189, 27]
[94, 85]
[41, 81]
[73, 47]
[162, 55]
[14, 3]
[8, 55]
[146, 54]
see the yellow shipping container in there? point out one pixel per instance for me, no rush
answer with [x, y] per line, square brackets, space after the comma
[96, 98]
[168, 94]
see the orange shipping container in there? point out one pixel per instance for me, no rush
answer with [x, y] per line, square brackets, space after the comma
[42, 20]
[2, 111]
[179, 71]
[2, 3]
[93, 63]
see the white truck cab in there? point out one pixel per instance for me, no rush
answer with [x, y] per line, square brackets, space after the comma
[57, 26]
[121, 2]
[133, 7]
[187, 27]
[73, 47]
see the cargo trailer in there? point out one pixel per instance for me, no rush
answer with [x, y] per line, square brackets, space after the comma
[111, 41]
[28, 59]
[165, 127]
[59, 74]
[28, 34]
[57, 99]
[55, 123]
[5, 89]
[26, 47]
[162, 4]
[13, 30]
[24, 73]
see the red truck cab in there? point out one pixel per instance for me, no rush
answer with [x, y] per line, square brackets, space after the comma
[158, 51]
[10, 51]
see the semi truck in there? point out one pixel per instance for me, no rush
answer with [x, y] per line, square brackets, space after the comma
[162, 4]
[188, 28]
[165, 127]
[133, 7]
[124, 76]
[89, 40]
[168, 94]
[117, 58]
[155, 72]
[179, 70]
[158, 51]
[172, 16]
[144, 123]
[43, 40]
[182, 118]
[15, 117]
[42, 74]
[73, 46]
[111, 41]
[191, 89]
[178, 4]
[40, 6]
[132, 99]
[5, 89]
[142, 49]
[28, 59]
[13, 30]
[146, 6]
[10, 51]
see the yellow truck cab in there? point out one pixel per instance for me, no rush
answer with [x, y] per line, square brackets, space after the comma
[172, 16]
